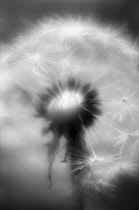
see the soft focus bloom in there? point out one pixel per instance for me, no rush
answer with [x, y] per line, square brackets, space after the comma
[52, 52]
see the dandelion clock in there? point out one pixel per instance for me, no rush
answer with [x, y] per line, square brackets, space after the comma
[69, 101]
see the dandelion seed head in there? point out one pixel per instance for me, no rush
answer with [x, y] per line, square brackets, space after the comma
[77, 71]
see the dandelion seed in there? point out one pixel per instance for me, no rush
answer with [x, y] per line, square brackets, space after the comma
[72, 31]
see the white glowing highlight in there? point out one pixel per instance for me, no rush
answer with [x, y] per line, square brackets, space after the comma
[68, 100]
[65, 105]
[73, 30]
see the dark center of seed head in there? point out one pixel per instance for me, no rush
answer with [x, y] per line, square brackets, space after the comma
[74, 103]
